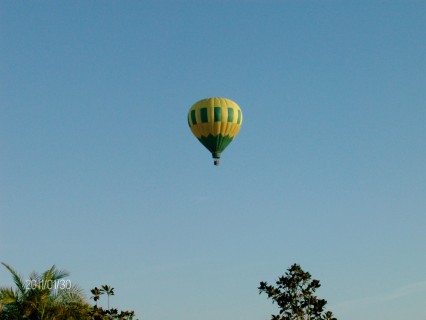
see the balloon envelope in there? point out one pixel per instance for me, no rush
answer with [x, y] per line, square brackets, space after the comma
[215, 122]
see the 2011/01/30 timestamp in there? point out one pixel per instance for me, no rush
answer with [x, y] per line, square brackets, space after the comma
[60, 284]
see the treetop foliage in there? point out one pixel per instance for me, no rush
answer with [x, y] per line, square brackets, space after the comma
[294, 295]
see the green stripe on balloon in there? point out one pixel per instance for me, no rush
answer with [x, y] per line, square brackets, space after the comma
[217, 114]
[215, 144]
[204, 117]
[193, 118]
[230, 114]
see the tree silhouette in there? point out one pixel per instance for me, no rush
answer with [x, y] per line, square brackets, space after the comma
[108, 290]
[98, 313]
[96, 294]
[294, 295]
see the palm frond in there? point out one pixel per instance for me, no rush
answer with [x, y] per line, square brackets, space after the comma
[54, 274]
[46, 298]
[8, 295]
[34, 276]
[19, 282]
[72, 295]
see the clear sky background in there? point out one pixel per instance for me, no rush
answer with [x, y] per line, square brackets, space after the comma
[100, 174]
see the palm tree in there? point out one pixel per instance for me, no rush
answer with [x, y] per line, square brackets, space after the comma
[42, 297]
[96, 294]
[108, 290]
[15, 303]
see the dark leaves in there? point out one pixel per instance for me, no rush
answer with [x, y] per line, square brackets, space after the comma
[294, 294]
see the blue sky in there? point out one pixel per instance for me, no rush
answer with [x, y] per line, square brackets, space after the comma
[100, 174]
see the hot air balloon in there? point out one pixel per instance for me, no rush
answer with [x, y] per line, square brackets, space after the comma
[215, 122]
